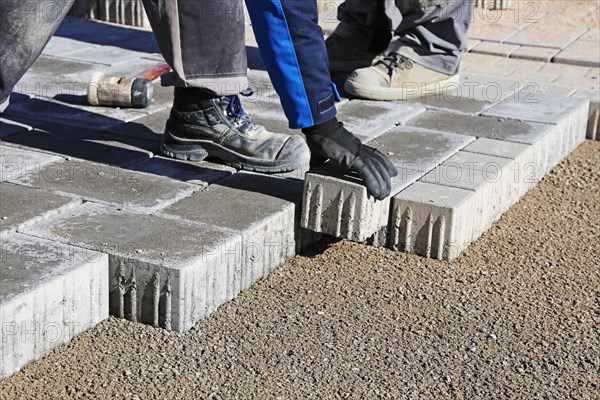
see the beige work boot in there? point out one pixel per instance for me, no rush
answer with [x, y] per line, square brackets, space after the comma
[395, 77]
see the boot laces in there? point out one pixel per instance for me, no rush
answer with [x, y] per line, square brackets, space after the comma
[236, 113]
[394, 61]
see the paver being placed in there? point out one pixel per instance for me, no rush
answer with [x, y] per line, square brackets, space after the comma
[109, 185]
[49, 292]
[15, 162]
[262, 209]
[21, 206]
[337, 203]
[164, 272]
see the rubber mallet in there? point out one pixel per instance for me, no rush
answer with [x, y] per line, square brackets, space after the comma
[118, 91]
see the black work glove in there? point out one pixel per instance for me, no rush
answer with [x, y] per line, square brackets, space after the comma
[331, 140]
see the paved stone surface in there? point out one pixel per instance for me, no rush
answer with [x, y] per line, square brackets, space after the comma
[163, 272]
[262, 209]
[58, 46]
[496, 49]
[86, 144]
[149, 127]
[48, 294]
[105, 55]
[494, 128]
[369, 119]
[534, 53]
[337, 204]
[11, 125]
[15, 162]
[201, 173]
[109, 185]
[531, 107]
[546, 35]
[582, 52]
[484, 179]
[22, 206]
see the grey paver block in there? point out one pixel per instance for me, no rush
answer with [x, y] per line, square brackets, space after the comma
[546, 35]
[369, 119]
[582, 52]
[534, 53]
[498, 148]
[109, 185]
[49, 293]
[15, 162]
[432, 220]
[259, 209]
[149, 127]
[22, 206]
[336, 203]
[163, 272]
[494, 128]
[529, 106]
[201, 173]
[53, 111]
[594, 98]
[58, 46]
[86, 144]
[495, 49]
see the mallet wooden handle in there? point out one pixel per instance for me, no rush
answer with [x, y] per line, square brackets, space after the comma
[154, 72]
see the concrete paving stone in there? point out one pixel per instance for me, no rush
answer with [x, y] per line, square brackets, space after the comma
[58, 46]
[85, 144]
[113, 186]
[16, 162]
[534, 53]
[99, 33]
[432, 220]
[258, 207]
[546, 35]
[369, 119]
[593, 34]
[22, 206]
[149, 127]
[594, 98]
[495, 49]
[497, 148]
[49, 293]
[201, 173]
[143, 44]
[529, 106]
[163, 272]
[487, 89]
[547, 89]
[574, 76]
[471, 43]
[493, 128]
[11, 125]
[496, 181]
[50, 76]
[494, 25]
[582, 52]
[80, 115]
[336, 203]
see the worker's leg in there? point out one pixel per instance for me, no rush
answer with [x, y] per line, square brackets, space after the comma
[25, 28]
[203, 41]
[423, 56]
[434, 36]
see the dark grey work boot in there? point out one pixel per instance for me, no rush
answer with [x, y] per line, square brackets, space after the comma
[219, 127]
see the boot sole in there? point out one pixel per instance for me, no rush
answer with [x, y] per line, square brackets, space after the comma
[198, 150]
[379, 93]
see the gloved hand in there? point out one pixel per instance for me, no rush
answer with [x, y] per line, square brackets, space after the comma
[331, 140]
